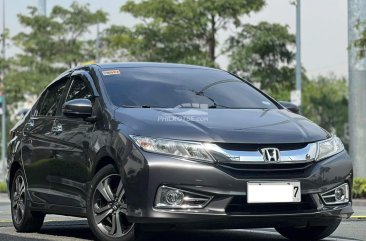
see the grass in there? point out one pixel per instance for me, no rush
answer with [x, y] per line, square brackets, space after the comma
[359, 187]
[3, 187]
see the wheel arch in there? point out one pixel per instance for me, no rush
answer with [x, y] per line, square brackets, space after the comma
[104, 161]
[15, 166]
[109, 156]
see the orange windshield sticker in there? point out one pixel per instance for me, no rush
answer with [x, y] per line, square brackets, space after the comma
[111, 72]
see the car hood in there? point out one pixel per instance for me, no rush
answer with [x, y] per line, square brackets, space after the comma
[221, 125]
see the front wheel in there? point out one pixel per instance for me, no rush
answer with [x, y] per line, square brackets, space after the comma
[310, 233]
[107, 207]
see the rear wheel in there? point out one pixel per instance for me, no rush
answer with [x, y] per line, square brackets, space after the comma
[24, 219]
[310, 233]
[107, 207]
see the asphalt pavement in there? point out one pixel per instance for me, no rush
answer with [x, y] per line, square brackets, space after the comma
[76, 229]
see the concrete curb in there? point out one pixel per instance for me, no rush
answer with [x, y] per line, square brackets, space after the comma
[359, 202]
[355, 218]
[4, 198]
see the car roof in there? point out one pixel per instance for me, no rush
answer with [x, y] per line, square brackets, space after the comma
[148, 64]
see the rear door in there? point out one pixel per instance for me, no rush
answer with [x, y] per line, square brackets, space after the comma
[37, 143]
[71, 173]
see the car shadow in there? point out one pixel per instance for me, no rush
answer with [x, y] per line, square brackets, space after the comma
[72, 229]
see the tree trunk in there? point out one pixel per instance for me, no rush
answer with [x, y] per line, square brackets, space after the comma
[212, 40]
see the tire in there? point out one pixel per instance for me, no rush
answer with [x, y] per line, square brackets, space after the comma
[310, 233]
[24, 220]
[106, 208]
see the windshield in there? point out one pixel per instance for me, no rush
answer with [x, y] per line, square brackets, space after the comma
[167, 87]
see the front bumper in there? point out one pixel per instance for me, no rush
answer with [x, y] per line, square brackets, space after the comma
[200, 220]
[229, 192]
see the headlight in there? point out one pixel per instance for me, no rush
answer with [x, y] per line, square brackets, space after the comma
[186, 149]
[329, 147]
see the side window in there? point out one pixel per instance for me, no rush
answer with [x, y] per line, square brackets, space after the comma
[37, 107]
[79, 89]
[52, 96]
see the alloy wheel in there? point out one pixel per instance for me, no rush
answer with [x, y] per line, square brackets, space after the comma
[110, 207]
[18, 202]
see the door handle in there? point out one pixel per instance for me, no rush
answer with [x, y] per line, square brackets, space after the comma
[56, 128]
[28, 126]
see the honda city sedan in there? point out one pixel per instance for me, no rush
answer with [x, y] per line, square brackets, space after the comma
[135, 147]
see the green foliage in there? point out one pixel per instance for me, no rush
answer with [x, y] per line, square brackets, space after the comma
[50, 45]
[115, 41]
[179, 31]
[38, 42]
[3, 187]
[325, 101]
[359, 187]
[264, 53]
[75, 22]
[28, 76]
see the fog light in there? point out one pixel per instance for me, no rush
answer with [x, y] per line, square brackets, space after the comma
[174, 198]
[337, 195]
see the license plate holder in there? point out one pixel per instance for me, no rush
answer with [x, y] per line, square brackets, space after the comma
[274, 192]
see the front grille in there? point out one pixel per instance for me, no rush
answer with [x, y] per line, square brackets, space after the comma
[256, 147]
[239, 206]
[266, 171]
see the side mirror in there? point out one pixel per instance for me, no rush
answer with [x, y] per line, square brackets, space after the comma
[290, 106]
[78, 108]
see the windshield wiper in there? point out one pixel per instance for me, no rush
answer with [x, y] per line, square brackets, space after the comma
[216, 106]
[213, 106]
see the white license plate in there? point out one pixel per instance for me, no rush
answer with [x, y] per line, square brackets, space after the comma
[273, 192]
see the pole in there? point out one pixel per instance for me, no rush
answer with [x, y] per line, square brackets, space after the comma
[357, 87]
[97, 56]
[42, 7]
[3, 122]
[298, 51]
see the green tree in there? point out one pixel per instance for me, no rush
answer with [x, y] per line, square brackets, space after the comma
[75, 22]
[50, 45]
[181, 31]
[115, 41]
[32, 68]
[151, 42]
[325, 101]
[264, 53]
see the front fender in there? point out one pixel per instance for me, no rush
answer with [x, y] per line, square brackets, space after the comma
[14, 161]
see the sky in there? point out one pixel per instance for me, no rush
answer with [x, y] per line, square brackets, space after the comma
[324, 28]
